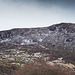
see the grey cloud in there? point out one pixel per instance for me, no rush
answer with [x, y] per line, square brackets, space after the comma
[60, 3]
[35, 13]
[44, 3]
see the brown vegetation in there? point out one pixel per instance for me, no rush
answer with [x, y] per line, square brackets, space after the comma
[43, 69]
[7, 69]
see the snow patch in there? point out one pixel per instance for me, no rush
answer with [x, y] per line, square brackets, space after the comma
[5, 40]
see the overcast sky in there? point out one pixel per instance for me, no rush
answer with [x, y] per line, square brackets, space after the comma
[35, 13]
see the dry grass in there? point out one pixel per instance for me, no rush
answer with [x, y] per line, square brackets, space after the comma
[43, 69]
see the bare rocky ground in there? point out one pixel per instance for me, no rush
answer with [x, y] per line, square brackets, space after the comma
[54, 45]
[12, 57]
[60, 35]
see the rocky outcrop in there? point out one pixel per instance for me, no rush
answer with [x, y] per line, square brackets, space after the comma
[59, 35]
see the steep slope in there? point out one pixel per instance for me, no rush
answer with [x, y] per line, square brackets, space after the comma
[60, 35]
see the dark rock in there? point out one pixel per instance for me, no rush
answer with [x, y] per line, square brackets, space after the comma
[69, 40]
[55, 34]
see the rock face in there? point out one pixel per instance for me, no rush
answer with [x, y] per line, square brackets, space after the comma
[60, 35]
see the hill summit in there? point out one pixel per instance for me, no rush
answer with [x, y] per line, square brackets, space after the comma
[60, 35]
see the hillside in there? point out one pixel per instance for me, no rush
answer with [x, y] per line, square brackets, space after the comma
[38, 51]
[61, 36]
